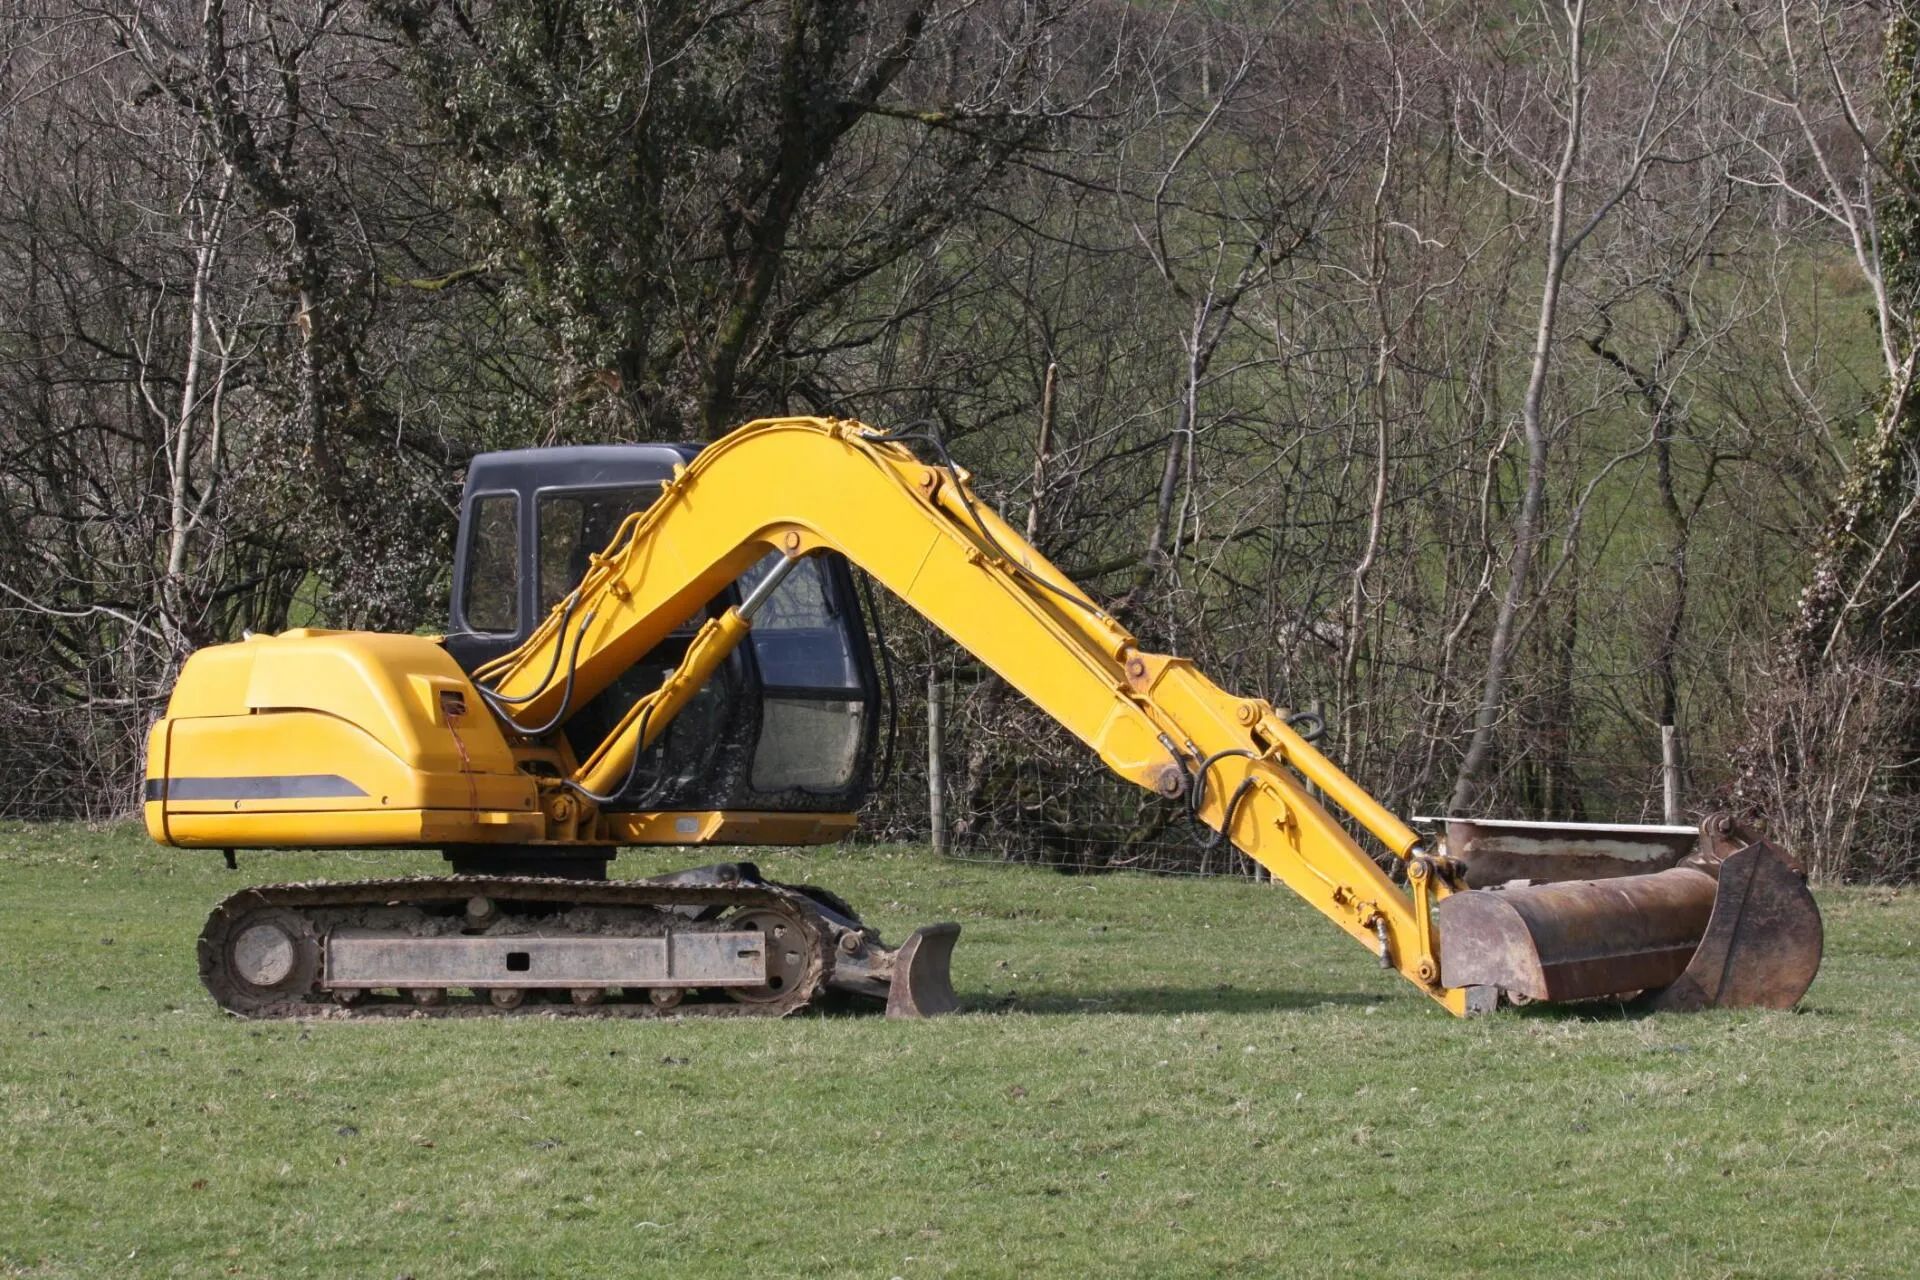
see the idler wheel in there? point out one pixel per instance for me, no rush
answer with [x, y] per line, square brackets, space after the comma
[264, 955]
[266, 958]
[787, 948]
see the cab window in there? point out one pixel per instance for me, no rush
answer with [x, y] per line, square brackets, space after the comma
[491, 600]
[798, 638]
[813, 710]
[576, 523]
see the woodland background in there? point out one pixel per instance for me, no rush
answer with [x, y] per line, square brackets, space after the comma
[1513, 379]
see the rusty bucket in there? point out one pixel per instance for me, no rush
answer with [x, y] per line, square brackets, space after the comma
[1715, 932]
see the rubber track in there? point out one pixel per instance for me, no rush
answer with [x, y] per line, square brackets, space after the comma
[414, 891]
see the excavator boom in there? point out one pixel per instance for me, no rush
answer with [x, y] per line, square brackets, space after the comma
[798, 487]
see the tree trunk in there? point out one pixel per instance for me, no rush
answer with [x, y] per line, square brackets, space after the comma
[1526, 528]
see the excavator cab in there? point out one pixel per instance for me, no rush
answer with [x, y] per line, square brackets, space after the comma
[787, 725]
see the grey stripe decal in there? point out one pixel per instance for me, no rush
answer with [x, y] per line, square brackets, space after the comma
[286, 786]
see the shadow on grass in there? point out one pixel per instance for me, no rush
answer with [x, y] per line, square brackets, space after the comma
[1638, 1010]
[1579, 1011]
[1162, 1000]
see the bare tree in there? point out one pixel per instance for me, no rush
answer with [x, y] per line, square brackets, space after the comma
[1854, 166]
[1495, 134]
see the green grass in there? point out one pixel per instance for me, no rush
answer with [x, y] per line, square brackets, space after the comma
[1160, 1077]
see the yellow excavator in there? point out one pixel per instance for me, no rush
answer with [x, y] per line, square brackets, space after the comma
[658, 645]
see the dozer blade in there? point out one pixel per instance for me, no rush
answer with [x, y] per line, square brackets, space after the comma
[922, 985]
[1752, 938]
[915, 979]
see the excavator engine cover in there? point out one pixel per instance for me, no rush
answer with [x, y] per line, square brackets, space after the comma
[1742, 932]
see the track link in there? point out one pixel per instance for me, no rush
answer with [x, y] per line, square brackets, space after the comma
[278, 934]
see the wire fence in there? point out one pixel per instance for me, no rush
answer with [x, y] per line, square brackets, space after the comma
[988, 778]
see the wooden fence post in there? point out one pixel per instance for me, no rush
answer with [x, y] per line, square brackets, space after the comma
[1670, 774]
[936, 774]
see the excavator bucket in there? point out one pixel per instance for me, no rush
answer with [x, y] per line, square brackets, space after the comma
[1733, 931]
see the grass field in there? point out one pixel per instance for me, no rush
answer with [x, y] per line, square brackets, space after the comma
[1158, 1077]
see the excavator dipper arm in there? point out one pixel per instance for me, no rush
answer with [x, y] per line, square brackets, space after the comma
[920, 532]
